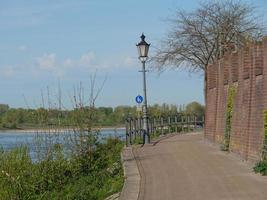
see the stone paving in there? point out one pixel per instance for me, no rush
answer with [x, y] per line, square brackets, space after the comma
[131, 186]
[185, 167]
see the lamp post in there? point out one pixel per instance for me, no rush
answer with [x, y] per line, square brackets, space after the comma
[143, 48]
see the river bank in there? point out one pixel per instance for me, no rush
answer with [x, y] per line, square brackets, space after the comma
[81, 175]
[55, 129]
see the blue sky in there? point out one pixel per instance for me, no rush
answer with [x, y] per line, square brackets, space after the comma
[45, 41]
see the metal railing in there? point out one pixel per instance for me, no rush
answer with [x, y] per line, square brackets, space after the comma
[161, 126]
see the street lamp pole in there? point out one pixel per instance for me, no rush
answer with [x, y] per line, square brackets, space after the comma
[145, 115]
[143, 48]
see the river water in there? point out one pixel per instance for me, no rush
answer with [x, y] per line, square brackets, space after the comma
[10, 139]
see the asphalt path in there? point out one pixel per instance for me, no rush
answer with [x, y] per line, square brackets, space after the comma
[184, 167]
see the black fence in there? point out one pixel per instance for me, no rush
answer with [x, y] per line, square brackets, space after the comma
[161, 126]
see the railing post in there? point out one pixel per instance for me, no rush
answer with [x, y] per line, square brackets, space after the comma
[140, 127]
[188, 123]
[203, 122]
[154, 125]
[130, 131]
[195, 122]
[169, 124]
[134, 124]
[176, 125]
[126, 132]
[182, 123]
[150, 125]
[161, 124]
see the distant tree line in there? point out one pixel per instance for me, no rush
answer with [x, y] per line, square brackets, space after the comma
[12, 118]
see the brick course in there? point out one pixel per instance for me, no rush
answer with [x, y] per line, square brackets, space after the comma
[246, 70]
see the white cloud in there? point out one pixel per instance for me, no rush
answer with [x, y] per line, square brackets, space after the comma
[51, 63]
[129, 62]
[8, 71]
[87, 58]
[47, 61]
[68, 62]
[22, 48]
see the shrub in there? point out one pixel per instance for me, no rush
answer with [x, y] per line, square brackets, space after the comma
[261, 166]
[92, 174]
[229, 115]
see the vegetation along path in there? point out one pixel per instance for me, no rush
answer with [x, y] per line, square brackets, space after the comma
[184, 167]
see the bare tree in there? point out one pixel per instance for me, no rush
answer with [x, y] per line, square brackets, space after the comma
[200, 37]
[94, 96]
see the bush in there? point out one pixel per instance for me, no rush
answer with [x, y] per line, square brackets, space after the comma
[93, 174]
[229, 114]
[13, 125]
[261, 167]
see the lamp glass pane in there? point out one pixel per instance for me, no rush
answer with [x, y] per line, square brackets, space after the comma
[146, 51]
[139, 50]
[142, 50]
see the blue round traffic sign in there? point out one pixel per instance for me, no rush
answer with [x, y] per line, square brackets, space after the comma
[139, 99]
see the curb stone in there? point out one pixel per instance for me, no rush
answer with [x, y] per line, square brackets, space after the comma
[113, 197]
[131, 187]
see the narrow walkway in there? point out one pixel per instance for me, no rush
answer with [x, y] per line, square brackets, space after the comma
[184, 167]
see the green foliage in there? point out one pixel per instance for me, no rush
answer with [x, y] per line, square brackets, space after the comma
[93, 174]
[162, 110]
[138, 140]
[11, 118]
[3, 108]
[261, 166]
[156, 134]
[79, 167]
[196, 109]
[229, 115]
[264, 150]
[41, 117]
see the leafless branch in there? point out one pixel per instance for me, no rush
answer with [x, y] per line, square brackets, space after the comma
[199, 38]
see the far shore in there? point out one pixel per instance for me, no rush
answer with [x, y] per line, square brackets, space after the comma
[54, 129]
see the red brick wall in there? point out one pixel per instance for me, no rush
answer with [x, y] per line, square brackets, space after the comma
[246, 70]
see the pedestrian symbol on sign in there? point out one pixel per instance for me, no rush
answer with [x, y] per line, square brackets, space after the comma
[139, 99]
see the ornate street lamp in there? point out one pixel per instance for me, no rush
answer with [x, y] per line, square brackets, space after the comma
[143, 48]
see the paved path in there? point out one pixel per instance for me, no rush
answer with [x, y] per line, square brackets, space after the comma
[184, 167]
[130, 190]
